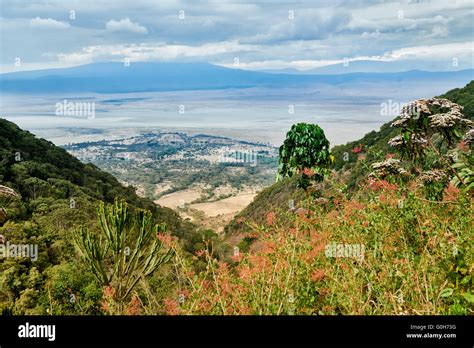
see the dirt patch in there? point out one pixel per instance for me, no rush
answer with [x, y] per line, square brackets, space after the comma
[231, 205]
[214, 214]
[180, 198]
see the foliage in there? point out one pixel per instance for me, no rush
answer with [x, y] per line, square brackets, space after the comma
[304, 152]
[464, 166]
[463, 96]
[126, 251]
[425, 126]
[56, 194]
[413, 257]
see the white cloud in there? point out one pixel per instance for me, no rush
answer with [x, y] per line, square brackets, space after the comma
[432, 52]
[438, 32]
[282, 64]
[148, 52]
[125, 25]
[427, 53]
[48, 23]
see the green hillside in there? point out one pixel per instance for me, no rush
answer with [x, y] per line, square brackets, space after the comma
[375, 143]
[463, 96]
[56, 194]
[388, 231]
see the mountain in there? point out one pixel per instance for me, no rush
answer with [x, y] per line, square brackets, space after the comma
[146, 77]
[369, 66]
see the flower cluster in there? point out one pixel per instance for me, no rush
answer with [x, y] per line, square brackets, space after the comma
[416, 111]
[419, 109]
[7, 192]
[381, 185]
[448, 120]
[358, 149]
[444, 103]
[412, 112]
[167, 239]
[433, 176]
[135, 305]
[387, 167]
[417, 139]
[468, 138]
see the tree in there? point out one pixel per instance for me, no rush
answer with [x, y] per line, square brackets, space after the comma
[124, 252]
[305, 151]
[36, 187]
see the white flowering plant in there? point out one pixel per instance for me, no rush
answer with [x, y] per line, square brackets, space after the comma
[430, 129]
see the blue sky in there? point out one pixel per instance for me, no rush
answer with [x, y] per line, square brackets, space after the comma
[258, 35]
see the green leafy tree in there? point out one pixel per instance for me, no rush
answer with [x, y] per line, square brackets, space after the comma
[304, 152]
[125, 251]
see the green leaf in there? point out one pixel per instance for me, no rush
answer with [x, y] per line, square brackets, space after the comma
[446, 292]
[468, 297]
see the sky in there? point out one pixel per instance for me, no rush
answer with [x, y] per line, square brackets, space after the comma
[434, 35]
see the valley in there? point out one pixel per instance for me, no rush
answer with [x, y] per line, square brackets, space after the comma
[206, 179]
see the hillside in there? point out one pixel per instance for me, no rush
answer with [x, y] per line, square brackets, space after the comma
[398, 242]
[374, 144]
[52, 194]
[37, 168]
[352, 163]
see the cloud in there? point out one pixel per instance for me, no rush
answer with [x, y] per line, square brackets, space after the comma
[307, 24]
[125, 25]
[277, 34]
[151, 52]
[48, 23]
[432, 52]
[428, 53]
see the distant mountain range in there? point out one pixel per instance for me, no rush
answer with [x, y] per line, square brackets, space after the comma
[149, 77]
[368, 66]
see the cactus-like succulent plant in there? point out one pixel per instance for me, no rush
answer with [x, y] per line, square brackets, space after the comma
[126, 250]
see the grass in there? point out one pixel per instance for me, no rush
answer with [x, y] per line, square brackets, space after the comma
[414, 257]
